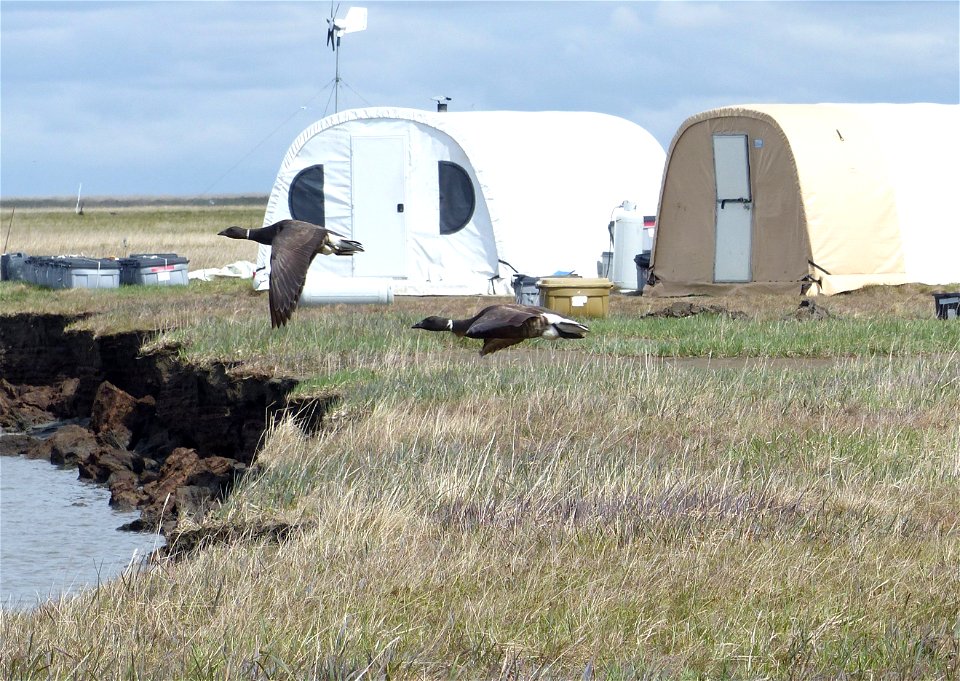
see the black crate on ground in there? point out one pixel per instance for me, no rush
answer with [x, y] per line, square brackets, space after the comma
[11, 266]
[947, 305]
[156, 269]
[64, 271]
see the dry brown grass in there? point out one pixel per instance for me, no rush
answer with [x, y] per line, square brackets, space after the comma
[551, 513]
[575, 510]
[111, 232]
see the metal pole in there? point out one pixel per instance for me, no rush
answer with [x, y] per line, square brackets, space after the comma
[7, 240]
[336, 82]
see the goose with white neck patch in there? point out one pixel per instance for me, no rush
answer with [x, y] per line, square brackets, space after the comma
[500, 326]
[293, 246]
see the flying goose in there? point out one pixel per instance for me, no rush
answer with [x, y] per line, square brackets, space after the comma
[293, 245]
[500, 326]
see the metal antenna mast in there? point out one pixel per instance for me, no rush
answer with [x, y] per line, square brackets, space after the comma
[355, 20]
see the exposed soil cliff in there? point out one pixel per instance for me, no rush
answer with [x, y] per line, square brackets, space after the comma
[167, 438]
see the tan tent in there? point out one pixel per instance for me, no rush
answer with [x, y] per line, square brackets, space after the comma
[830, 197]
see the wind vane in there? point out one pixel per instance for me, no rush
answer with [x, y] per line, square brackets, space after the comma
[355, 20]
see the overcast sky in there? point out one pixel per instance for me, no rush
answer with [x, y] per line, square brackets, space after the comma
[204, 98]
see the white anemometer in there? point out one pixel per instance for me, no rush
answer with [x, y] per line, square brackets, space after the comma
[355, 20]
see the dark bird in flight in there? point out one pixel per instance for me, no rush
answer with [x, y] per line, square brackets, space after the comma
[500, 326]
[293, 245]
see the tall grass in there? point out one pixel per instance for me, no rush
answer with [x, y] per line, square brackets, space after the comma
[705, 497]
[563, 512]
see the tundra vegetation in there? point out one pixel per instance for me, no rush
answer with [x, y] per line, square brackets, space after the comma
[750, 496]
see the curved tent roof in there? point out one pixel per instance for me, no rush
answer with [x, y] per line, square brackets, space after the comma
[545, 186]
[844, 195]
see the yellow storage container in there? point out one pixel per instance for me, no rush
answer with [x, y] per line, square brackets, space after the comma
[576, 296]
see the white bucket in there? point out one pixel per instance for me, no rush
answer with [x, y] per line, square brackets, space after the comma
[328, 290]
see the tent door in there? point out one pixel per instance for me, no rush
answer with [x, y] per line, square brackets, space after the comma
[734, 209]
[378, 199]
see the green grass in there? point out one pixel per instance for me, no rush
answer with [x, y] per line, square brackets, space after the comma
[697, 498]
[806, 528]
[721, 336]
[466, 517]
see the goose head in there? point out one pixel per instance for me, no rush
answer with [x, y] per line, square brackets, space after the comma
[434, 323]
[234, 232]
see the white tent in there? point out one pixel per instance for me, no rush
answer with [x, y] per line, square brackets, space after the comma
[782, 197]
[453, 203]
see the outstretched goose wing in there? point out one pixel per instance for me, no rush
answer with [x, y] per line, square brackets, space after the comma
[501, 321]
[291, 253]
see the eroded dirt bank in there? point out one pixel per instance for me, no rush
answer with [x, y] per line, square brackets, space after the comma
[166, 437]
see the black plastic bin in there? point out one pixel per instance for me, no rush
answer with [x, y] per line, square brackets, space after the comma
[70, 271]
[11, 266]
[642, 261]
[526, 290]
[947, 305]
[164, 269]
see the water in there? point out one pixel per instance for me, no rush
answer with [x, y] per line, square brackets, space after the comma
[58, 534]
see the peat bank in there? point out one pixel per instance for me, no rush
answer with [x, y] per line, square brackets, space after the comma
[168, 438]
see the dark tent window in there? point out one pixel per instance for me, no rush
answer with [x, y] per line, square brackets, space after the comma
[457, 199]
[306, 195]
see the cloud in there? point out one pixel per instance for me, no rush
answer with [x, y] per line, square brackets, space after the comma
[698, 15]
[164, 97]
[625, 19]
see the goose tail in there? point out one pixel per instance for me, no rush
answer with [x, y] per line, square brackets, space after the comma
[345, 246]
[568, 328]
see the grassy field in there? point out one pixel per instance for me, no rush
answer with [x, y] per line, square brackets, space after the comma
[115, 231]
[705, 497]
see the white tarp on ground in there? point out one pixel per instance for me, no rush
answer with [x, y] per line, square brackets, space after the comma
[242, 269]
[545, 185]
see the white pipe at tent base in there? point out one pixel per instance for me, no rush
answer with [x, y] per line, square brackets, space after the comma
[346, 290]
